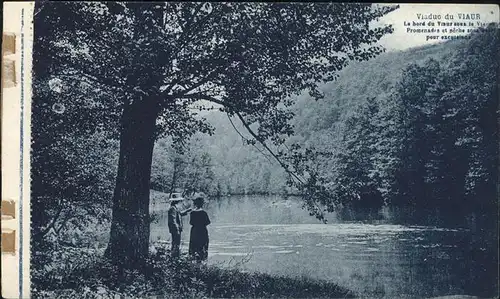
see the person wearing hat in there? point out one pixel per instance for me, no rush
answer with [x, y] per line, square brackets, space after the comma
[175, 225]
[198, 241]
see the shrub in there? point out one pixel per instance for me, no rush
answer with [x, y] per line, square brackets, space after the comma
[83, 273]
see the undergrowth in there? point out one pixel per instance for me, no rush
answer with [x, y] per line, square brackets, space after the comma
[63, 272]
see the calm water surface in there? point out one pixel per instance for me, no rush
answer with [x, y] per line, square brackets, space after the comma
[269, 234]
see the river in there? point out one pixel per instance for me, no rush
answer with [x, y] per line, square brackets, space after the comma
[269, 234]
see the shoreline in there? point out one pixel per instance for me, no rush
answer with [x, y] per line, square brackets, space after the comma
[94, 276]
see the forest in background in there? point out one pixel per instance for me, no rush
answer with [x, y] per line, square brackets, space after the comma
[234, 167]
[406, 138]
[414, 130]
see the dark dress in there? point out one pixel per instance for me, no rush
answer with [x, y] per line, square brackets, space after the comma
[198, 241]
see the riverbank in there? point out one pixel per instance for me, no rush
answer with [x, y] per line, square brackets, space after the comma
[85, 274]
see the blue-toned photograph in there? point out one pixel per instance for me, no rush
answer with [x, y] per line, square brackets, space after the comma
[264, 150]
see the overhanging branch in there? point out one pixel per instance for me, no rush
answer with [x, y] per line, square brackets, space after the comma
[283, 165]
[90, 81]
[199, 96]
[199, 84]
[189, 29]
[248, 140]
[94, 79]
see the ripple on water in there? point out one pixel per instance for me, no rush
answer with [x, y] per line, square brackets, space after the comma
[228, 253]
[353, 230]
[358, 242]
[228, 246]
[268, 246]
[428, 245]
[221, 243]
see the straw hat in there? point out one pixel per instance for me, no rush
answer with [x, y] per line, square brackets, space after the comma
[176, 199]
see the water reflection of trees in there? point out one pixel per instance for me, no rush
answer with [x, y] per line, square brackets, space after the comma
[448, 262]
[375, 261]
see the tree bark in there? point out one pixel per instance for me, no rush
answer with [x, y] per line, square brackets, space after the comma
[174, 177]
[129, 239]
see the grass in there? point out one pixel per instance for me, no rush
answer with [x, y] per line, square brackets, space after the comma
[78, 273]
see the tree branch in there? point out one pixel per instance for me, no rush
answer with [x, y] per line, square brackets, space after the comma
[184, 39]
[193, 28]
[196, 85]
[254, 135]
[66, 219]
[54, 220]
[199, 96]
[248, 140]
[94, 79]
[40, 7]
[247, 126]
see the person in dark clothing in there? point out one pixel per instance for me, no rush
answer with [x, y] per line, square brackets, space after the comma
[198, 241]
[175, 225]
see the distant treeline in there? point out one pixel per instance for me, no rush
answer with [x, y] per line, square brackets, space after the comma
[415, 131]
[428, 149]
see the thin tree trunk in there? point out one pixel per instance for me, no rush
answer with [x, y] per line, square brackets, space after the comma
[174, 177]
[129, 239]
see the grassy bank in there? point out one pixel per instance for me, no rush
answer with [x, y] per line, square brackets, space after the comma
[85, 274]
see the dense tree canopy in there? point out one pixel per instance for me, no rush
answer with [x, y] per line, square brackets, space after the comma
[427, 142]
[424, 143]
[247, 57]
[149, 62]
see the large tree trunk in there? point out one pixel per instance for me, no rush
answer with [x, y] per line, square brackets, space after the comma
[129, 239]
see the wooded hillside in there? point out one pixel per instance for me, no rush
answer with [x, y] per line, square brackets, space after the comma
[414, 130]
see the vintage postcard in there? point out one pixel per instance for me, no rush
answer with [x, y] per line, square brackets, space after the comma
[249, 150]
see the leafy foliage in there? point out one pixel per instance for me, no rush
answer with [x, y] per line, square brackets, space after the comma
[248, 58]
[450, 112]
[188, 170]
[89, 276]
[73, 162]
[153, 62]
[425, 142]
[428, 140]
